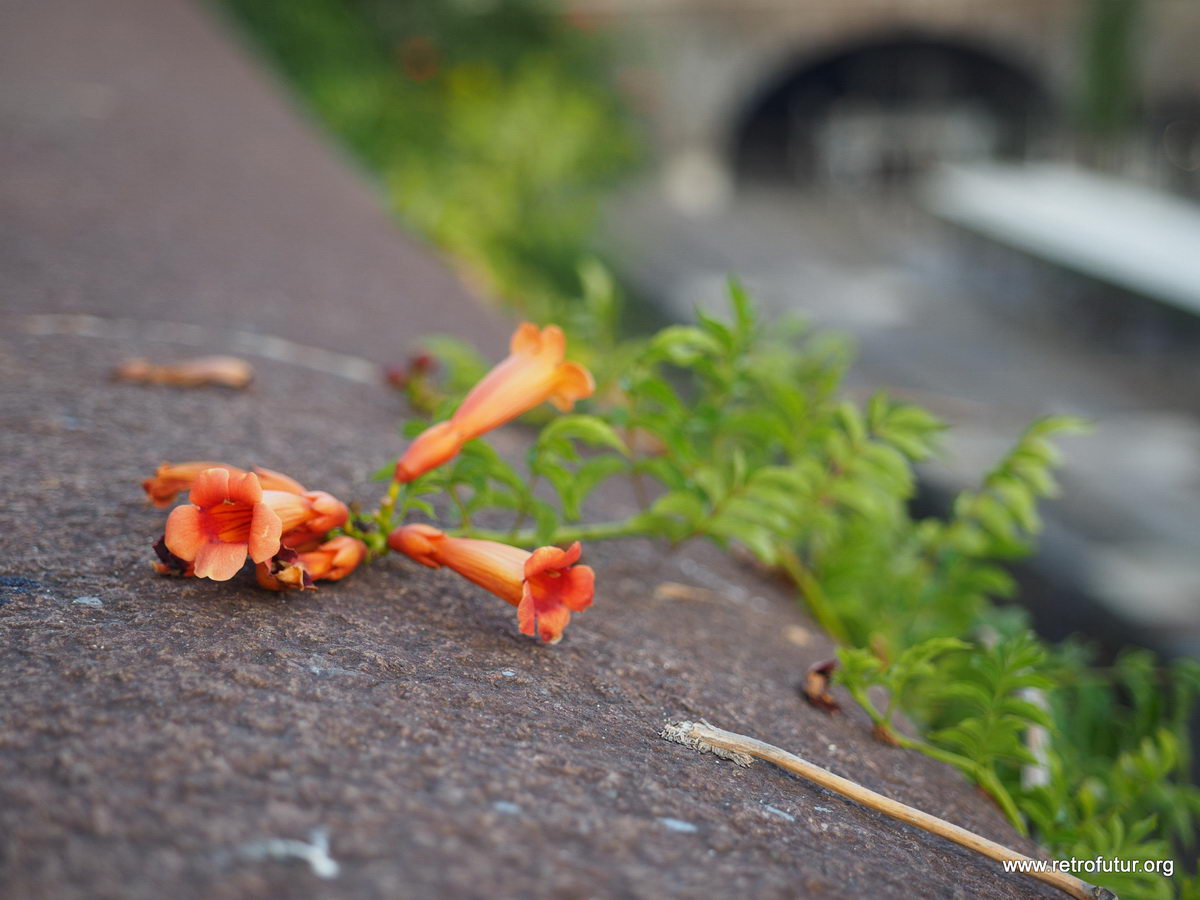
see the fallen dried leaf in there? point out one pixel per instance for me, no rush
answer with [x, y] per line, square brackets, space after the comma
[801, 637]
[671, 590]
[816, 685]
[224, 371]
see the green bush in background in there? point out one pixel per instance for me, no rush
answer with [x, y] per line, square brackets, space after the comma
[492, 124]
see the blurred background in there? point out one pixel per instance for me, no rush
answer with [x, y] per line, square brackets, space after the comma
[994, 203]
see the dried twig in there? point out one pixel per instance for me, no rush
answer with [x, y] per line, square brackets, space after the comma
[741, 750]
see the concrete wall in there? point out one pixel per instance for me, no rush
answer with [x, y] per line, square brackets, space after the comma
[694, 66]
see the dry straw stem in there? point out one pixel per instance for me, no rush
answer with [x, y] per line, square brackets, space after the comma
[741, 749]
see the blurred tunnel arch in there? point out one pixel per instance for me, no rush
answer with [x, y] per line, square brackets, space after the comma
[878, 110]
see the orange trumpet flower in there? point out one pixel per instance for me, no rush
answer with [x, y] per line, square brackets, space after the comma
[533, 373]
[545, 585]
[277, 481]
[284, 572]
[331, 561]
[326, 512]
[229, 518]
[168, 563]
[335, 559]
[171, 478]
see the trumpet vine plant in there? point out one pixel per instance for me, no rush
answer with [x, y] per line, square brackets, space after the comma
[739, 433]
[725, 430]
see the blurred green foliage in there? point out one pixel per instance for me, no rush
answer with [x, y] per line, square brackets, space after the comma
[491, 123]
[1108, 91]
[740, 433]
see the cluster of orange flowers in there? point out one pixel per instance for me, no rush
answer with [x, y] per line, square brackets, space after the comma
[284, 529]
[232, 514]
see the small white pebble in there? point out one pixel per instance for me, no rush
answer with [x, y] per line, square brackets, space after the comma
[509, 673]
[509, 809]
[678, 825]
[94, 602]
[315, 853]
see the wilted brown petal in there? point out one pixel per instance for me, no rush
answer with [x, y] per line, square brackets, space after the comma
[224, 371]
[816, 685]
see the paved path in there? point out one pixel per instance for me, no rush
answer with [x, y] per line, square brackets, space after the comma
[150, 171]
[161, 737]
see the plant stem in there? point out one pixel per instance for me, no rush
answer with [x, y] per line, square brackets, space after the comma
[600, 531]
[523, 511]
[813, 595]
[388, 506]
[462, 507]
[739, 748]
[984, 776]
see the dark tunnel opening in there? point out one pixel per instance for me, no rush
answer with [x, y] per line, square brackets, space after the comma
[882, 110]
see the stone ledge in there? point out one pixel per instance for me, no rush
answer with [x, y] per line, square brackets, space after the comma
[162, 736]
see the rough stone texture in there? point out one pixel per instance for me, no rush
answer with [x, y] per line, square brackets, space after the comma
[148, 739]
[154, 732]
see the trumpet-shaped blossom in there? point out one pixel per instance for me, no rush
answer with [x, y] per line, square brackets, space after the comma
[533, 373]
[277, 481]
[171, 478]
[325, 512]
[335, 558]
[546, 586]
[229, 518]
[168, 563]
[284, 572]
[331, 561]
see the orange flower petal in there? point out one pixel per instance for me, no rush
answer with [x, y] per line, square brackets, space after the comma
[579, 587]
[292, 509]
[219, 560]
[548, 624]
[526, 615]
[328, 512]
[265, 531]
[184, 536]
[526, 340]
[432, 447]
[574, 382]
[418, 542]
[334, 559]
[552, 622]
[277, 481]
[211, 488]
[171, 478]
[547, 558]
[244, 488]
